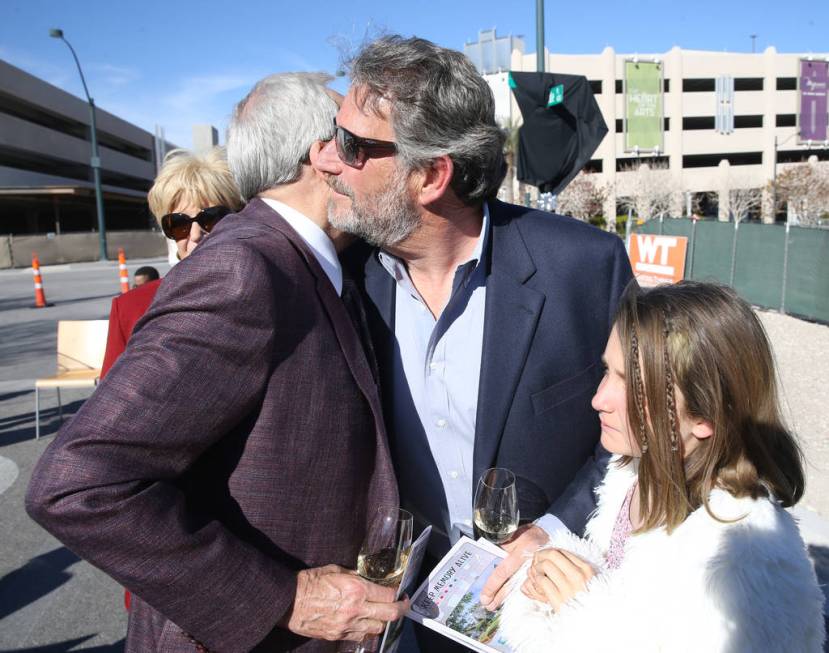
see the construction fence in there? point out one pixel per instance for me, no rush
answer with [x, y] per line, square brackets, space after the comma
[774, 266]
[52, 249]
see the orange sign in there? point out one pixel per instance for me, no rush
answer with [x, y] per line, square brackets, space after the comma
[657, 259]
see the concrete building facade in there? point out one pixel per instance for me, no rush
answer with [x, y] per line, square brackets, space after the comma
[701, 159]
[45, 176]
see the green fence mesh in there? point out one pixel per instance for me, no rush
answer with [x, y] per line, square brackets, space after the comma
[753, 259]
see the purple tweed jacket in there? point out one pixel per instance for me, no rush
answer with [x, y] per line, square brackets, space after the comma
[238, 440]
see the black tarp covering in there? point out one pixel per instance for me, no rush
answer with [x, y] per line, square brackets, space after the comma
[555, 142]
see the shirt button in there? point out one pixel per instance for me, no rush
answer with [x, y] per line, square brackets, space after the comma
[440, 423]
[453, 474]
[433, 366]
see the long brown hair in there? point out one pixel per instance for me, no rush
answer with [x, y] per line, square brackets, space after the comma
[704, 340]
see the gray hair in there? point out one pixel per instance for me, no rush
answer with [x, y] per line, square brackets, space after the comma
[439, 105]
[273, 128]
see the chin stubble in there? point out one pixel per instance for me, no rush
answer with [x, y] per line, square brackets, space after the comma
[384, 219]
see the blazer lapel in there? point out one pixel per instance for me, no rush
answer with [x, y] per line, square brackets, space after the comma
[341, 321]
[380, 288]
[510, 319]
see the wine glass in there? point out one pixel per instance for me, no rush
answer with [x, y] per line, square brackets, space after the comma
[385, 550]
[496, 505]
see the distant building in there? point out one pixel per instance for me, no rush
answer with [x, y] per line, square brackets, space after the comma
[204, 137]
[45, 176]
[711, 137]
[493, 54]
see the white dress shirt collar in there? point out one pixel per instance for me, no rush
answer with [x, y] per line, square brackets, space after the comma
[316, 239]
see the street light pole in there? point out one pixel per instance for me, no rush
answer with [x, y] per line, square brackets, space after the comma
[95, 160]
[539, 35]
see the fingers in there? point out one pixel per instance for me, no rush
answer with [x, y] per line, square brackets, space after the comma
[385, 611]
[531, 590]
[498, 578]
[332, 603]
[585, 568]
[551, 593]
[557, 575]
[496, 588]
[364, 629]
[376, 593]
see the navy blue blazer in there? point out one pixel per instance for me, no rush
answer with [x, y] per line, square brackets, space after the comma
[552, 287]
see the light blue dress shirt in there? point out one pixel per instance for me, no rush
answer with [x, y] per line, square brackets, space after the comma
[436, 370]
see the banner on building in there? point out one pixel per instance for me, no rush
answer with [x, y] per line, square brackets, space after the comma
[657, 259]
[724, 123]
[813, 117]
[643, 106]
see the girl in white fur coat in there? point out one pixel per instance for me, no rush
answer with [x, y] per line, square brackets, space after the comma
[689, 548]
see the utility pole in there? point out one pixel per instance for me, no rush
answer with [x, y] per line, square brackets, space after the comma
[539, 35]
[753, 40]
[95, 161]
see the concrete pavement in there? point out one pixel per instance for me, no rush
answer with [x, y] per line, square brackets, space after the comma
[50, 600]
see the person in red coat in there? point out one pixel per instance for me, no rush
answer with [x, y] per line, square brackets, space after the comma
[190, 195]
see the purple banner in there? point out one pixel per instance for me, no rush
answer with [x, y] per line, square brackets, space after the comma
[814, 79]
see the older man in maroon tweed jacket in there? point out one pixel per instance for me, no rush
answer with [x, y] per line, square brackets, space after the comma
[236, 451]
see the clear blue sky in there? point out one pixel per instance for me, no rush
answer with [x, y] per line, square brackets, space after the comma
[178, 63]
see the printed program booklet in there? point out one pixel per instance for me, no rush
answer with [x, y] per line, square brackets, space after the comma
[449, 600]
[391, 636]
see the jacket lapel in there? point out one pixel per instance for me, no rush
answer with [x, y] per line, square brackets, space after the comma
[510, 319]
[380, 288]
[344, 327]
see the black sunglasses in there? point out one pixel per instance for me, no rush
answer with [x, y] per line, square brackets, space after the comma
[176, 226]
[353, 150]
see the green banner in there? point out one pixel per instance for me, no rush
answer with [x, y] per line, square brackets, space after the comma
[643, 106]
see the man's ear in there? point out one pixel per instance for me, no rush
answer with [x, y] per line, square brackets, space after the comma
[314, 152]
[702, 429]
[435, 179]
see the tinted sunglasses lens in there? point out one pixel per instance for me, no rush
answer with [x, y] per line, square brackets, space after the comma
[176, 226]
[347, 147]
[209, 217]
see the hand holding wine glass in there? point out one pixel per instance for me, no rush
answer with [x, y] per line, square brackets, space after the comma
[496, 505]
[385, 550]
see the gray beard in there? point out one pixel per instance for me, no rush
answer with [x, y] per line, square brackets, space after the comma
[384, 220]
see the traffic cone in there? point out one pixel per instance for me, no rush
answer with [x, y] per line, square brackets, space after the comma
[40, 296]
[122, 271]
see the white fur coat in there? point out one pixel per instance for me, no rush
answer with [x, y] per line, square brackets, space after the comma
[745, 586]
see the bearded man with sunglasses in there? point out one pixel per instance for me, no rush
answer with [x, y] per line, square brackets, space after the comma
[489, 319]
[225, 471]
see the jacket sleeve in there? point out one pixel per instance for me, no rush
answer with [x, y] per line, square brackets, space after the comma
[574, 506]
[578, 501]
[621, 276]
[109, 485]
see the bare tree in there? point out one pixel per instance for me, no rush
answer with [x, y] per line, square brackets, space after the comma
[507, 190]
[650, 191]
[743, 201]
[804, 190]
[583, 198]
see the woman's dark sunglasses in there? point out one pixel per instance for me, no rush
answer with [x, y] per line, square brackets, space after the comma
[353, 150]
[176, 226]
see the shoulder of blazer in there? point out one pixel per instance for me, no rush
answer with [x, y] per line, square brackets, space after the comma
[527, 242]
[534, 224]
[258, 227]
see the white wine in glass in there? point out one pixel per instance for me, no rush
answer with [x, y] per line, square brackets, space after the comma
[496, 506]
[385, 550]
